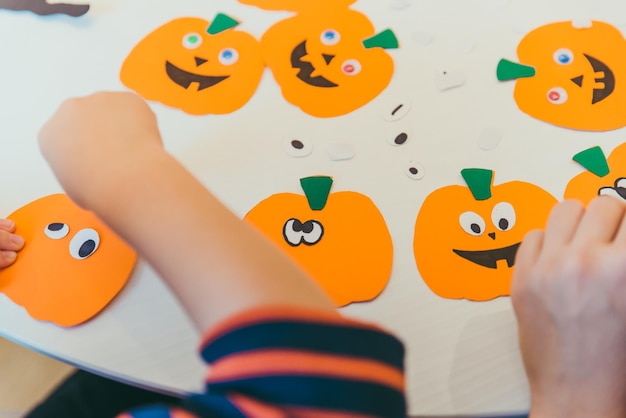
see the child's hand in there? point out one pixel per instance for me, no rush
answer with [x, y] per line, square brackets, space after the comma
[91, 141]
[9, 243]
[569, 294]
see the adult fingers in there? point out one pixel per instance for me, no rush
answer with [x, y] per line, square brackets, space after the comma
[7, 258]
[10, 242]
[562, 225]
[7, 225]
[525, 259]
[620, 236]
[601, 221]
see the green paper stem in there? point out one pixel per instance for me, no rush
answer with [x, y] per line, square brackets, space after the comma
[221, 23]
[385, 39]
[316, 189]
[479, 182]
[594, 160]
[509, 70]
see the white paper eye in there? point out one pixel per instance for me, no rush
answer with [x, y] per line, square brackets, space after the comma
[415, 170]
[351, 67]
[84, 243]
[228, 56]
[308, 233]
[472, 223]
[557, 95]
[330, 37]
[192, 40]
[399, 138]
[503, 216]
[56, 230]
[564, 56]
[297, 147]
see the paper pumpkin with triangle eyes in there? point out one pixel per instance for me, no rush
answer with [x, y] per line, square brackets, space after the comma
[327, 59]
[571, 77]
[340, 238]
[604, 177]
[196, 66]
[466, 238]
[71, 266]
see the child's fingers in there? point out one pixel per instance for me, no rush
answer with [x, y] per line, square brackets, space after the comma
[7, 258]
[7, 225]
[600, 223]
[10, 242]
[562, 225]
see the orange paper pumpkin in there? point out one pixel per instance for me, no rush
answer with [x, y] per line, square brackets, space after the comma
[571, 77]
[340, 239]
[327, 59]
[466, 238]
[196, 66]
[603, 176]
[71, 266]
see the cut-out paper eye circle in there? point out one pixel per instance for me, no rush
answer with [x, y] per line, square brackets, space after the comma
[351, 67]
[56, 230]
[297, 147]
[397, 110]
[415, 170]
[192, 40]
[472, 223]
[228, 56]
[557, 95]
[84, 243]
[564, 56]
[619, 191]
[307, 233]
[398, 139]
[330, 37]
[503, 216]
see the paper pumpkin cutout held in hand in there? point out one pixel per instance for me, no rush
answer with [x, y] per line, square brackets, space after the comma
[71, 266]
[571, 77]
[604, 177]
[196, 66]
[340, 239]
[327, 59]
[466, 238]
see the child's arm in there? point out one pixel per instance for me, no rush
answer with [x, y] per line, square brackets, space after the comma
[569, 294]
[106, 151]
[10, 243]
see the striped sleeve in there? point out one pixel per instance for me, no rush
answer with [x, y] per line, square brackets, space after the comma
[280, 362]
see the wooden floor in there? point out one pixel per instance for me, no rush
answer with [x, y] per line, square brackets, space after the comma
[26, 377]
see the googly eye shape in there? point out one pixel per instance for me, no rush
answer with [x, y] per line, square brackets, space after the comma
[398, 139]
[84, 243]
[330, 37]
[56, 230]
[564, 56]
[351, 67]
[192, 40]
[297, 147]
[415, 170]
[308, 233]
[503, 216]
[557, 95]
[472, 223]
[228, 56]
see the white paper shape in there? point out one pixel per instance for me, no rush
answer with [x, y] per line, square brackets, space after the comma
[297, 147]
[449, 79]
[414, 170]
[422, 38]
[465, 46]
[397, 109]
[399, 4]
[582, 23]
[340, 152]
[489, 138]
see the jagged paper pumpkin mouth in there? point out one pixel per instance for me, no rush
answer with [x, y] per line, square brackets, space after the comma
[185, 78]
[490, 258]
[307, 69]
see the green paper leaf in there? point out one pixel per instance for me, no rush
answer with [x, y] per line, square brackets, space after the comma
[221, 23]
[385, 39]
[509, 70]
[316, 189]
[479, 182]
[594, 160]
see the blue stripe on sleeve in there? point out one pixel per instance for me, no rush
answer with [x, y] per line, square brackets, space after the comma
[332, 339]
[211, 406]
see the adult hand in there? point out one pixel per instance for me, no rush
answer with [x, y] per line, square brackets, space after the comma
[569, 295]
[10, 243]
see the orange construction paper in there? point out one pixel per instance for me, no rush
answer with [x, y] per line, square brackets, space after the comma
[586, 186]
[465, 248]
[47, 280]
[347, 249]
[319, 60]
[578, 82]
[183, 66]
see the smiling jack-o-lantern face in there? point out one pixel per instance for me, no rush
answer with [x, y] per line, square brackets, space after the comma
[604, 177]
[71, 266]
[195, 66]
[327, 59]
[340, 239]
[466, 238]
[571, 77]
